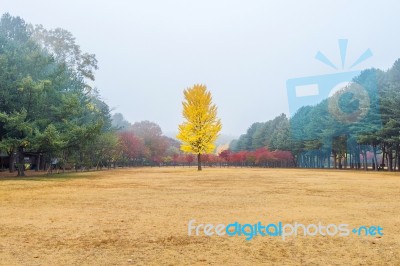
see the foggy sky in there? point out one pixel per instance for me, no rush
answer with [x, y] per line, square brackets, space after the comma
[244, 51]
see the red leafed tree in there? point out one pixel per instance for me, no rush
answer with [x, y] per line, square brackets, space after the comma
[151, 135]
[225, 156]
[239, 158]
[210, 159]
[133, 148]
[189, 158]
[263, 156]
[251, 158]
[183, 159]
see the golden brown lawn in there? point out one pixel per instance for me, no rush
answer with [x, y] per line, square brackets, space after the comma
[140, 217]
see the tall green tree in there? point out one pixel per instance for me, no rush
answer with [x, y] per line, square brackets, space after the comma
[47, 107]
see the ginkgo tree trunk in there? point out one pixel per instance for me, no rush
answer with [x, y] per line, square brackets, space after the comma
[201, 127]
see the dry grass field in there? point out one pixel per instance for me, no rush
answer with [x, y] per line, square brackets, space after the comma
[140, 217]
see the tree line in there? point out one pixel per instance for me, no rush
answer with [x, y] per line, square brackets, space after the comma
[52, 117]
[47, 107]
[368, 137]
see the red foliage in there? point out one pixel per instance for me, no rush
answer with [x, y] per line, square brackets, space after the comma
[239, 157]
[132, 146]
[210, 158]
[260, 157]
[183, 158]
[263, 156]
[189, 158]
[225, 155]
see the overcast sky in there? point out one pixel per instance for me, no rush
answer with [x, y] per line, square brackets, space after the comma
[244, 51]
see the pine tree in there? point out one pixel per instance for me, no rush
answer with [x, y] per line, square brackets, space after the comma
[200, 130]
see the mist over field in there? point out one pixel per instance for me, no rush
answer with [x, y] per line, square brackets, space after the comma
[199, 132]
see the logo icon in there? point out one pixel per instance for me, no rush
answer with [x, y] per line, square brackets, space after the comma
[339, 105]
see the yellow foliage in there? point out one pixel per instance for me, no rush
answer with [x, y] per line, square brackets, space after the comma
[200, 130]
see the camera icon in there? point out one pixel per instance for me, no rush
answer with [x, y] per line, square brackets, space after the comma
[310, 91]
[325, 107]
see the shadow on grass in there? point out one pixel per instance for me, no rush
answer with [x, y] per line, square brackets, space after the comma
[53, 177]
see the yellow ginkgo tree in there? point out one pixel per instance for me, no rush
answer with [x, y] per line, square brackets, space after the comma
[201, 127]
